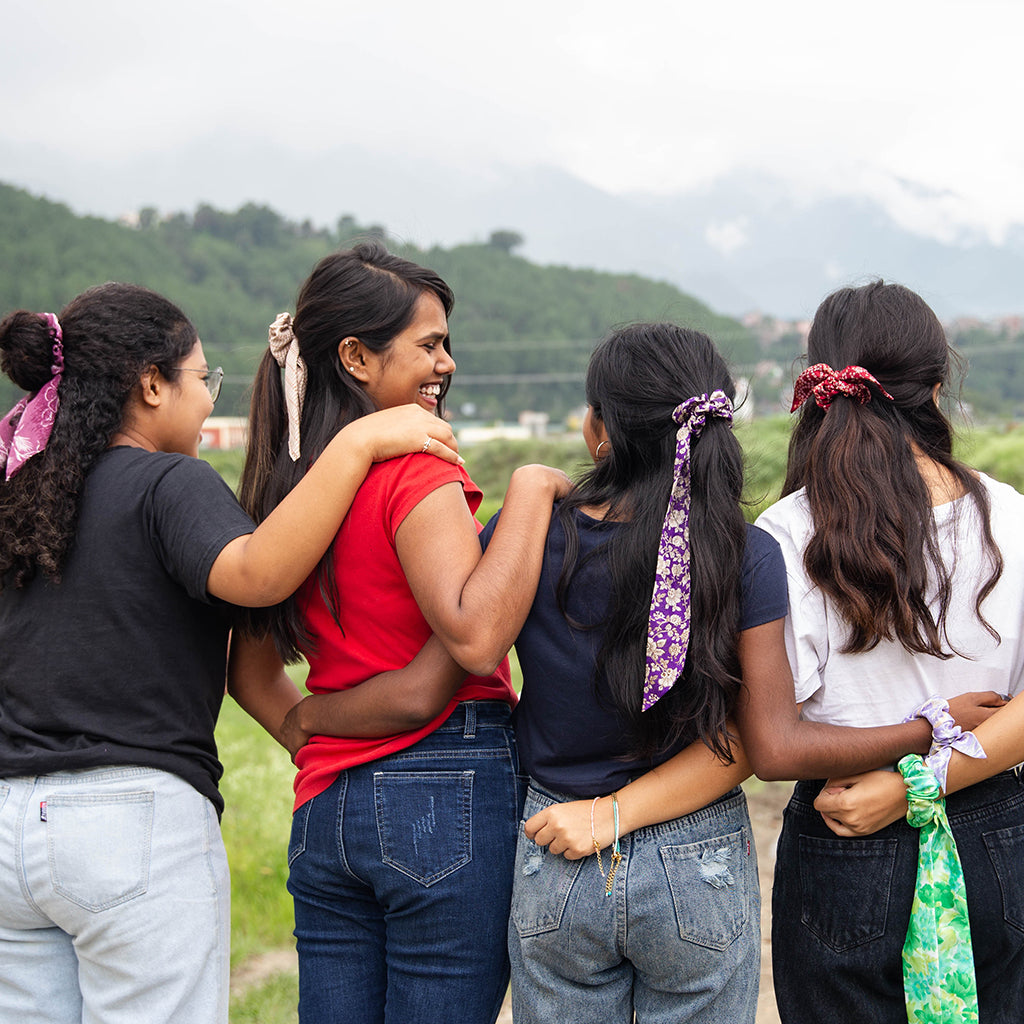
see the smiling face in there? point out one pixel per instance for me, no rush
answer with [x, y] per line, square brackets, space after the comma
[413, 367]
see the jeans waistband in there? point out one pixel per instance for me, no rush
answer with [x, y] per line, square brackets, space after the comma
[103, 773]
[1004, 786]
[470, 715]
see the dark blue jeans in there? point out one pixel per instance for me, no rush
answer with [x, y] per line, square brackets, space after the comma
[401, 874]
[840, 909]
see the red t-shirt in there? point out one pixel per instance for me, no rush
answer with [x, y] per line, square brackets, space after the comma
[383, 626]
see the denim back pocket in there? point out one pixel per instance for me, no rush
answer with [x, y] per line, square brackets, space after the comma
[712, 884]
[844, 889]
[1006, 851]
[425, 822]
[297, 838]
[99, 846]
[540, 887]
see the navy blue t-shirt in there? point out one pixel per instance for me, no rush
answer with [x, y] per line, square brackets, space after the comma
[568, 742]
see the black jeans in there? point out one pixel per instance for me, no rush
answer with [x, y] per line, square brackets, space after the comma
[840, 909]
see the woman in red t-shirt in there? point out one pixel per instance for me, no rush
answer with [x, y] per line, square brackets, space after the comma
[404, 828]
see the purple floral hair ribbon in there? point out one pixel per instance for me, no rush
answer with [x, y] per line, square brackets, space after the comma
[668, 628]
[25, 430]
[947, 736]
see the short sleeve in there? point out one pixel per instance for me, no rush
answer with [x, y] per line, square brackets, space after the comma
[192, 517]
[764, 591]
[789, 522]
[408, 480]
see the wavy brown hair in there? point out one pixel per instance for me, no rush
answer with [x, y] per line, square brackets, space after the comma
[112, 334]
[874, 550]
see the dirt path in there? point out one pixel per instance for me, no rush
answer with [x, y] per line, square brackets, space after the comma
[766, 803]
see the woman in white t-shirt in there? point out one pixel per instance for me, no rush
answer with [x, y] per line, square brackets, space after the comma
[902, 584]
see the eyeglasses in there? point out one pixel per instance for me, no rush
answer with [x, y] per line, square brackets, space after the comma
[212, 379]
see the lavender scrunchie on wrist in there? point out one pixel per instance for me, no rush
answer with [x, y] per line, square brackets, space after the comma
[947, 736]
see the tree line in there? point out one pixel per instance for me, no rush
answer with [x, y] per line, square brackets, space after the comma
[521, 333]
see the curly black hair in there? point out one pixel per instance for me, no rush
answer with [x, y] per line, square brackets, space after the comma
[112, 334]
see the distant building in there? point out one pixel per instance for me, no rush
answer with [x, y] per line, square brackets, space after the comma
[222, 433]
[535, 422]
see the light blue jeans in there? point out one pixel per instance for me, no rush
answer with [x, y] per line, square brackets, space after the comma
[679, 938]
[114, 900]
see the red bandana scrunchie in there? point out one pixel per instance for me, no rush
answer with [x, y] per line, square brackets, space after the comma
[821, 381]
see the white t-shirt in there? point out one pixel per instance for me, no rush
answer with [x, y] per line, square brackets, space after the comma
[884, 685]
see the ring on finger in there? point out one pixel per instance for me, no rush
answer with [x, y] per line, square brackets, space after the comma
[426, 444]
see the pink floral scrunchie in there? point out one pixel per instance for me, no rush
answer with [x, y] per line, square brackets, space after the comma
[26, 429]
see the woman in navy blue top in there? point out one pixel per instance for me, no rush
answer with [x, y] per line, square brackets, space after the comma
[634, 894]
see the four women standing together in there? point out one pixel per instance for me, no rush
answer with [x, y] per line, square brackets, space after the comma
[653, 630]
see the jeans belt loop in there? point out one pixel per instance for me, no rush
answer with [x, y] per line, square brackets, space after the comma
[469, 732]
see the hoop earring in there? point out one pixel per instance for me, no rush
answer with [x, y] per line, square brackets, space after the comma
[597, 451]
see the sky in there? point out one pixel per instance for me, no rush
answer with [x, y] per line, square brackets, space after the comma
[915, 104]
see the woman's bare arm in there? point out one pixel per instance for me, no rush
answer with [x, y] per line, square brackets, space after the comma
[266, 566]
[683, 784]
[781, 745]
[384, 705]
[862, 804]
[477, 605]
[388, 703]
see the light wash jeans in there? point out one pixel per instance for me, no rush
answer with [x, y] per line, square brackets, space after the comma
[114, 900]
[678, 939]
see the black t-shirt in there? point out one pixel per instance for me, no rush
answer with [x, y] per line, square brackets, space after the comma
[123, 661]
[567, 741]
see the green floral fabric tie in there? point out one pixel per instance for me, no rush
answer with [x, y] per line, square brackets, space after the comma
[938, 962]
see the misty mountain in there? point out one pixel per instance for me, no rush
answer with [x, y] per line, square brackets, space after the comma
[744, 242]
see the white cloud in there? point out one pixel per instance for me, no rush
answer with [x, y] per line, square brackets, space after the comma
[727, 236]
[642, 97]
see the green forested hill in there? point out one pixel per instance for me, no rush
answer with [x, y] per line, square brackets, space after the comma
[521, 332]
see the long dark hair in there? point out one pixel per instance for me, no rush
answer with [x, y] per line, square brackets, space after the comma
[635, 380]
[112, 334]
[875, 542]
[364, 292]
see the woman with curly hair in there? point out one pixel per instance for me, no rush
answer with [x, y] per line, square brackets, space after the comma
[119, 554]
